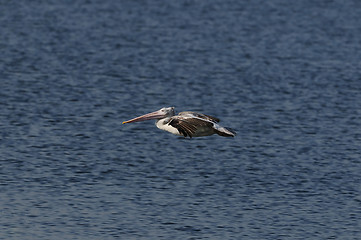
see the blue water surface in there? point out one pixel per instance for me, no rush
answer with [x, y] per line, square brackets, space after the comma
[284, 74]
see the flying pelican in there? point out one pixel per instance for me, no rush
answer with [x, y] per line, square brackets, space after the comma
[185, 124]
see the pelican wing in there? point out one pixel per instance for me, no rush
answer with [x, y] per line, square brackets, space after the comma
[199, 115]
[188, 125]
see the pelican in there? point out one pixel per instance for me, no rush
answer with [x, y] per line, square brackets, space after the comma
[187, 124]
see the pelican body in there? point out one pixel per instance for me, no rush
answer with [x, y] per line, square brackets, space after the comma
[187, 124]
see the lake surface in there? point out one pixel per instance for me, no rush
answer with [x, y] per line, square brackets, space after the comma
[284, 74]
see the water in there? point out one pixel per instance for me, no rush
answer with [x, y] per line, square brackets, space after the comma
[284, 74]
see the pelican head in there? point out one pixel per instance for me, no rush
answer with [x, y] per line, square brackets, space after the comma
[161, 113]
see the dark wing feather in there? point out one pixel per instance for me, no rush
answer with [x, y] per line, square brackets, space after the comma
[200, 115]
[188, 126]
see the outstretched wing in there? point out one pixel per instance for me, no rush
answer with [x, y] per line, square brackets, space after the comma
[189, 125]
[199, 115]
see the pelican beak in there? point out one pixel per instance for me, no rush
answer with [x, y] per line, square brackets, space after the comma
[148, 116]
